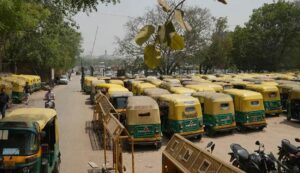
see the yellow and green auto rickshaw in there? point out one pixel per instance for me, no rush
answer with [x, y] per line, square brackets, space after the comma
[95, 84]
[200, 88]
[218, 112]
[216, 87]
[115, 81]
[36, 80]
[284, 90]
[155, 92]
[182, 90]
[140, 87]
[17, 95]
[240, 84]
[155, 82]
[181, 114]
[29, 141]
[225, 85]
[271, 97]
[104, 87]
[26, 79]
[249, 109]
[87, 85]
[293, 104]
[7, 86]
[118, 97]
[143, 120]
[168, 85]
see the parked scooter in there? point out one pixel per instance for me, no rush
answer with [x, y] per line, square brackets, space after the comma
[289, 156]
[257, 162]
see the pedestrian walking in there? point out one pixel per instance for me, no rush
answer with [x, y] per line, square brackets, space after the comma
[4, 99]
[27, 93]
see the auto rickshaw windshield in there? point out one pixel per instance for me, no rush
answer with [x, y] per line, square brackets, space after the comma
[119, 102]
[18, 142]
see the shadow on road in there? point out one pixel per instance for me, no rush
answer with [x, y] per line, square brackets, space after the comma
[293, 123]
[93, 136]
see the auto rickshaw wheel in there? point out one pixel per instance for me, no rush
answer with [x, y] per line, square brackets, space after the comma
[158, 145]
[210, 132]
[56, 168]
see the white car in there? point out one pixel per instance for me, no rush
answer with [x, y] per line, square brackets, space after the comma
[63, 80]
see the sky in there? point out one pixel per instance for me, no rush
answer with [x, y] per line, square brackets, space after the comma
[110, 19]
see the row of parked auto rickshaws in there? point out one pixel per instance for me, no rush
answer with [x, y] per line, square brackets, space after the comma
[191, 107]
[14, 85]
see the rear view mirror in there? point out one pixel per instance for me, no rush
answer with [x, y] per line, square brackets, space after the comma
[212, 148]
[209, 144]
[297, 139]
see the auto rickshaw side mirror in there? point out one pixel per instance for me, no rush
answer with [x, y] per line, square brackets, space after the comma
[297, 139]
[257, 143]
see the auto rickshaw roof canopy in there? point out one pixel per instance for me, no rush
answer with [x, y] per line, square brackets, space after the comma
[295, 93]
[39, 115]
[246, 94]
[261, 87]
[178, 98]
[214, 97]
[153, 92]
[141, 102]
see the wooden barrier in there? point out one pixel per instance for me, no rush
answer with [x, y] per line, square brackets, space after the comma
[182, 156]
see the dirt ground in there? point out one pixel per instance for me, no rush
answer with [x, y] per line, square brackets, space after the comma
[79, 146]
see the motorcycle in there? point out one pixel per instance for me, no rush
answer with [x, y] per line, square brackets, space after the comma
[289, 156]
[49, 101]
[257, 162]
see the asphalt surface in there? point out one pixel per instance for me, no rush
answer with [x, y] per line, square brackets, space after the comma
[78, 146]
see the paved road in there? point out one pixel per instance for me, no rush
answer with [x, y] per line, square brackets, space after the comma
[74, 111]
[73, 114]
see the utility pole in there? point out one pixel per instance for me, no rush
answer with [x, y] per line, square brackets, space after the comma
[92, 68]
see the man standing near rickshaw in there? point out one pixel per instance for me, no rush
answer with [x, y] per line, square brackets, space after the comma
[4, 99]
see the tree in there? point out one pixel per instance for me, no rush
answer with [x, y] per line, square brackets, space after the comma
[270, 40]
[53, 43]
[199, 19]
[18, 18]
[216, 53]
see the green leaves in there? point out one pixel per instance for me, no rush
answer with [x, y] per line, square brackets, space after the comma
[152, 56]
[144, 34]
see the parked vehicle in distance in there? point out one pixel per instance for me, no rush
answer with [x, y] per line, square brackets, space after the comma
[293, 104]
[63, 80]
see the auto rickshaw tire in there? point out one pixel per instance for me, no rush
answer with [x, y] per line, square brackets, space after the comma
[199, 137]
[158, 145]
[56, 168]
[210, 132]
[261, 128]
